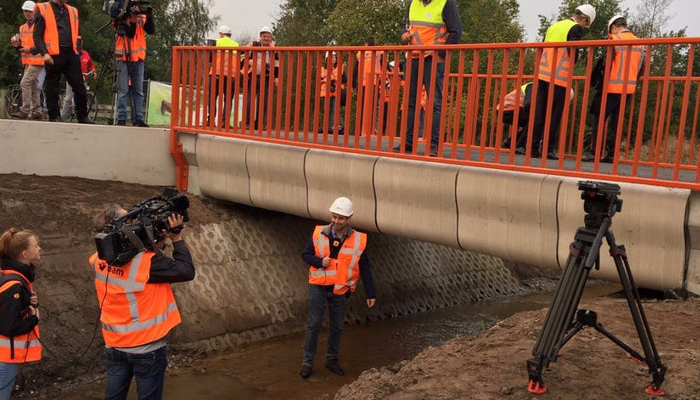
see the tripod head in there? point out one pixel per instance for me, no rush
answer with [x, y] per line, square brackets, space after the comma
[600, 201]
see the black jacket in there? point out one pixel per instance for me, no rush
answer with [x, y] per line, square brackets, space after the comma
[15, 300]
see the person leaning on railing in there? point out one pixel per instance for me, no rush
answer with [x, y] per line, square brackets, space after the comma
[19, 312]
[428, 22]
[567, 30]
[618, 85]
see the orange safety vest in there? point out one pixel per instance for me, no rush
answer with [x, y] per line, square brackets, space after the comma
[344, 271]
[617, 73]
[366, 61]
[26, 33]
[135, 46]
[556, 33]
[222, 60]
[426, 25]
[509, 101]
[51, 30]
[336, 75]
[134, 312]
[22, 348]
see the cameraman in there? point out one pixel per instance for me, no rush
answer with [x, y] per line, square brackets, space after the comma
[130, 51]
[138, 310]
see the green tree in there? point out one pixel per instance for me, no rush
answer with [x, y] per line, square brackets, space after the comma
[605, 9]
[299, 22]
[352, 21]
[490, 21]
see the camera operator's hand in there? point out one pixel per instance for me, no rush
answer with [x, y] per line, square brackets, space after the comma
[33, 311]
[175, 220]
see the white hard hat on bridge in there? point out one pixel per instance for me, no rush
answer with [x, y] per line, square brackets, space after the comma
[342, 206]
[266, 29]
[612, 21]
[225, 29]
[28, 6]
[587, 10]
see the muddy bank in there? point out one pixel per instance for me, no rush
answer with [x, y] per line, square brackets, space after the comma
[492, 365]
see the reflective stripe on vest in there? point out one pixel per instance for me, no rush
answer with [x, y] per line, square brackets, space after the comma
[509, 101]
[134, 312]
[26, 34]
[51, 29]
[556, 33]
[221, 61]
[366, 61]
[427, 27]
[336, 72]
[622, 53]
[136, 46]
[353, 270]
[25, 347]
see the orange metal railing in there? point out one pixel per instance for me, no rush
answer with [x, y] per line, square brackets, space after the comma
[284, 95]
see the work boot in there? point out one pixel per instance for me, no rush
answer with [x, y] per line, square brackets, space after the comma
[397, 149]
[333, 366]
[306, 371]
[19, 115]
[433, 151]
[121, 122]
[552, 156]
[140, 124]
[86, 120]
[56, 119]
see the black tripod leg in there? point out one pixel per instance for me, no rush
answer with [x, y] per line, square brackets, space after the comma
[577, 327]
[656, 368]
[618, 342]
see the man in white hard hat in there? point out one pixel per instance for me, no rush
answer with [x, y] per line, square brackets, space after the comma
[224, 70]
[337, 259]
[556, 65]
[261, 66]
[621, 82]
[33, 64]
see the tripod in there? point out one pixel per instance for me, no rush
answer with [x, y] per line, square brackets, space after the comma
[600, 204]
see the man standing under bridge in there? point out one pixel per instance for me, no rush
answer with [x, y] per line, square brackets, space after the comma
[337, 259]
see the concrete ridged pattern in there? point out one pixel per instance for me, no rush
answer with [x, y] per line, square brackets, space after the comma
[252, 284]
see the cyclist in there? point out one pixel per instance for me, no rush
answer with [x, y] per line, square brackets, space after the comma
[33, 65]
[88, 68]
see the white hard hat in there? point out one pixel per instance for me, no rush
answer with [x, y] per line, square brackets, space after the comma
[28, 5]
[612, 20]
[331, 53]
[266, 29]
[587, 10]
[342, 206]
[225, 29]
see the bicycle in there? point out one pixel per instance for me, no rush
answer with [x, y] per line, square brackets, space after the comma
[90, 98]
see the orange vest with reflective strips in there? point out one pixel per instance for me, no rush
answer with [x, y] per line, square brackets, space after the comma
[344, 271]
[560, 55]
[134, 312]
[26, 34]
[22, 348]
[511, 102]
[223, 60]
[336, 75]
[366, 61]
[635, 54]
[51, 30]
[136, 46]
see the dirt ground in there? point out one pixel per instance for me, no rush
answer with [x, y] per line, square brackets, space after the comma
[492, 365]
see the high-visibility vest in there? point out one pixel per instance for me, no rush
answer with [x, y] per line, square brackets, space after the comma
[366, 61]
[556, 33]
[223, 60]
[136, 46]
[509, 102]
[51, 30]
[635, 54]
[26, 34]
[134, 312]
[21, 348]
[426, 25]
[343, 272]
[336, 75]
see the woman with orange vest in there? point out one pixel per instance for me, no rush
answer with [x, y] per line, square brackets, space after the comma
[33, 65]
[332, 87]
[337, 260]
[19, 313]
[556, 65]
[621, 82]
[56, 39]
[138, 310]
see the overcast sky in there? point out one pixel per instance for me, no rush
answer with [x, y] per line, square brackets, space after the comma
[247, 17]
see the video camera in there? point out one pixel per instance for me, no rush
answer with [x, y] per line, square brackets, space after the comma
[599, 201]
[120, 10]
[141, 227]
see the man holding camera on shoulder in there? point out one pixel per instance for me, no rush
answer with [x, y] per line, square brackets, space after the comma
[131, 25]
[138, 310]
